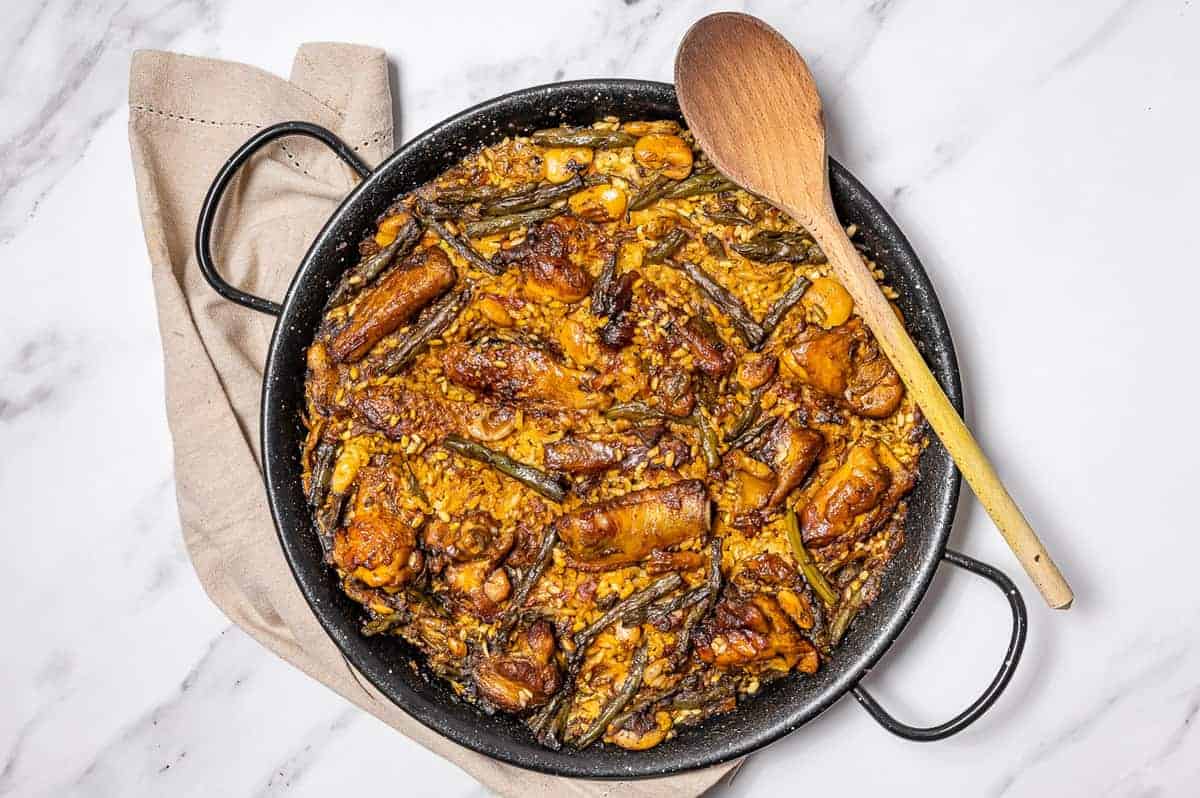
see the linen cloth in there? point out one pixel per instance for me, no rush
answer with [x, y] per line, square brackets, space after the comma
[186, 117]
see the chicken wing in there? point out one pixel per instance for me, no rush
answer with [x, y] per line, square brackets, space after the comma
[379, 545]
[518, 370]
[857, 497]
[628, 528]
[391, 302]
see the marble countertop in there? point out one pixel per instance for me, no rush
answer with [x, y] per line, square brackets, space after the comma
[1041, 157]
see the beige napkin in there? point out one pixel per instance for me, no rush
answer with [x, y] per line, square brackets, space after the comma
[186, 116]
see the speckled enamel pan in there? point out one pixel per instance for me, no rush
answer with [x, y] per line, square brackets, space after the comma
[779, 708]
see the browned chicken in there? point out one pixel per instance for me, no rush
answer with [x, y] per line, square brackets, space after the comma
[846, 363]
[857, 497]
[711, 355]
[518, 370]
[396, 298]
[628, 528]
[524, 678]
[754, 632]
[475, 536]
[379, 545]
[396, 411]
[467, 552]
[791, 451]
[578, 455]
[544, 259]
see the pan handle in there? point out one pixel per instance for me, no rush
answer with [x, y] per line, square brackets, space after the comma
[981, 705]
[208, 210]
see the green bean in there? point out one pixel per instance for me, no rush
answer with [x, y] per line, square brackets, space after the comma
[582, 137]
[748, 416]
[603, 294]
[667, 247]
[529, 580]
[636, 411]
[683, 640]
[529, 199]
[660, 611]
[499, 224]
[787, 300]
[771, 246]
[462, 195]
[730, 216]
[360, 276]
[629, 688]
[651, 192]
[552, 486]
[432, 322]
[708, 440]
[714, 246]
[459, 244]
[700, 183]
[725, 301]
[636, 602]
[322, 470]
[805, 561]
[846, 612]
[327, 520]
[751, 435]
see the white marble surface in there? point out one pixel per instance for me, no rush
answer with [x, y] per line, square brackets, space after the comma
[1041, 156]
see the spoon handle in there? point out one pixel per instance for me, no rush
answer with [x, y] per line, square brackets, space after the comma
[874, 308]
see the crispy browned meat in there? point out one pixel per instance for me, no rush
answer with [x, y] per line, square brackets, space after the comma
[791, 452]
[857, 497]
[396, 410]
[524, 678]
[395, 299]
[475, 536]
[846, 363]
[712, 357]
[379, 545]
[754, 632]
[628, 528]
[545, 260]
[577, 455]
[518, 370]
[874, 389]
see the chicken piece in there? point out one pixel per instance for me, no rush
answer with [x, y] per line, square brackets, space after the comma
[712, 356]
[475, 536]
[772, 574]
[544, 259]
[675, 391]
[379, 545]
[628, 528]
[391, 302]
[791, 452]
[477, 587]
[754, 633]
[846, 363]
[857, 497]
[874, 389]
[576, 455]
[397, 411]
[518, 370]
[524, 678]
[754, 483]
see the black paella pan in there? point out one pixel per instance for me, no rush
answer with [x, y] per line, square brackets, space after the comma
[759, 720]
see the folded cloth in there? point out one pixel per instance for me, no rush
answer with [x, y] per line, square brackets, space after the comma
[186, 116]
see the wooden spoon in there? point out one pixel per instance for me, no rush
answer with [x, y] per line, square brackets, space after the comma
[751, 102]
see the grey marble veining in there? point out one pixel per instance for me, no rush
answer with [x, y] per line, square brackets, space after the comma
[1026, 148]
